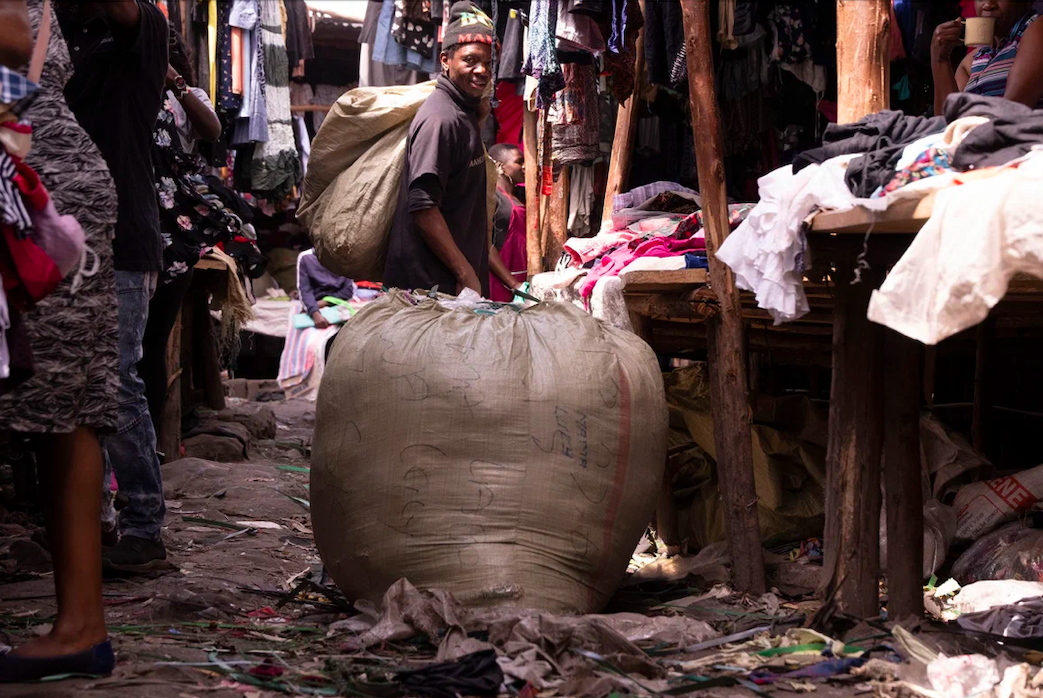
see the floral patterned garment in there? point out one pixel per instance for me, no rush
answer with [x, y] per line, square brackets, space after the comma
[192, 219]
[413, 27]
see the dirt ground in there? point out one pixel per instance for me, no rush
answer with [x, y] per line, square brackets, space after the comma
[213, 625]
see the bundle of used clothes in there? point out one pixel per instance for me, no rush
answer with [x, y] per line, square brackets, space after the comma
[656, 227]
[981, 158]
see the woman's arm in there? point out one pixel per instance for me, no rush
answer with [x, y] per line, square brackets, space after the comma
[16, 34]
[201, 115]
[946, 38]
[500, 270]
[1025, 81]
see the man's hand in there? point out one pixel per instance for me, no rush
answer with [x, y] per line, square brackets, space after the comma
[468, 279]
[172, 75]
[321, 323]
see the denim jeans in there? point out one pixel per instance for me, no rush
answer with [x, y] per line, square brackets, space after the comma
[132, 449]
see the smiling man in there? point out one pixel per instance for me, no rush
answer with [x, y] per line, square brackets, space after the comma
[440, 235]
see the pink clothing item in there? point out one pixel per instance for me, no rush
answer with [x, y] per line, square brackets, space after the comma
[61, 237]
[615, 262]
[514, 255]
[583, 250]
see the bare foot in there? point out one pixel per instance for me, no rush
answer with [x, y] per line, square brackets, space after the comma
[55, 644]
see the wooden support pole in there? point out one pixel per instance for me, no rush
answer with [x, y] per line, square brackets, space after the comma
[530, 135]
[903, 495]
[556, 232]
[852, 533]
[863, 58]
[731, 424]
[626, 131]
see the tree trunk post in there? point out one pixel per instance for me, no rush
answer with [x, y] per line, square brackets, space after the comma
[852, 538]
[530, 137]
[626, 131]
[725, 331]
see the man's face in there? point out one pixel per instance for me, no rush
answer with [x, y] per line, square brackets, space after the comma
[470, 68]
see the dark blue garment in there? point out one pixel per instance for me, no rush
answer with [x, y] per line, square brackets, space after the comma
[696, 261]
[315, 282]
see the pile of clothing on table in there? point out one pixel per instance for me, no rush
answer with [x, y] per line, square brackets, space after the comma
[657, 227]
[983, 160]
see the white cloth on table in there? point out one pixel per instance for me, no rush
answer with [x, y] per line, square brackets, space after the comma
[654, 264]
[767, 251]
[959, 266]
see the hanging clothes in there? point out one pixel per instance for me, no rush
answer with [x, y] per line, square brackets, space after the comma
[581, 200]
[619, 61]
[575, 135]
[510, 115]
[577, 31]
[726, 24]
[299, 43]
[228, 78]
[541, 63]
[413, 27]
[276, 167]
[512, 53]
[664, 41]
[252, 123]
[387, 50]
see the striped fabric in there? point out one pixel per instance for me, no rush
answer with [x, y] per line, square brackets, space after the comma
[991, 66]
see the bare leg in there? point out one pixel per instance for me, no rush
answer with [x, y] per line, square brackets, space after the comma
[72, 467]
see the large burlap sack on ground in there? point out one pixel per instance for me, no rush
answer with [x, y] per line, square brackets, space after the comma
[512, 458]
[354, 171]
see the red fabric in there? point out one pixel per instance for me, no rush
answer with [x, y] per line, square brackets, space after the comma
[614, 262]
[514, 256]
[509, 115]
[29, 274]
[33, 192]
[967, 9]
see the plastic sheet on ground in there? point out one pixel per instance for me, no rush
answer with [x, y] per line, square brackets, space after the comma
[546, 650]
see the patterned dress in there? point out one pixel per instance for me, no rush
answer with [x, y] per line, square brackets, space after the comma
[73, 336]
[991, 66]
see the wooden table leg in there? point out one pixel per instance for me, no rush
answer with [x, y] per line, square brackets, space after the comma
[206, 345]
[852, 532]
[169, 437]
[902, 477]
[980, 422]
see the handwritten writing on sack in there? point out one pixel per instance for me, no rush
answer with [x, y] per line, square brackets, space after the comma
[570, 437]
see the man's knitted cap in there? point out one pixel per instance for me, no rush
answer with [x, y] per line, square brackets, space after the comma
[468, 25]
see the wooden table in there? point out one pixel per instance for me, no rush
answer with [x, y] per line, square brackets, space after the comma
[875, 395]
[193, 359]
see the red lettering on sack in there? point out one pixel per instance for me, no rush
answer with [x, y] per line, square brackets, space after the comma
[1012, 492]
